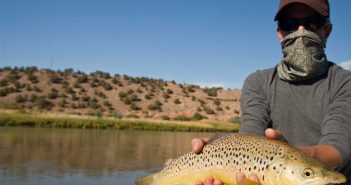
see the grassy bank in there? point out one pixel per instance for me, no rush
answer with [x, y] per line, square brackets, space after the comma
[15, 118]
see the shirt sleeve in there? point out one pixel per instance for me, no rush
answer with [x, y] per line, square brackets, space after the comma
[255, 116]
[336, 127]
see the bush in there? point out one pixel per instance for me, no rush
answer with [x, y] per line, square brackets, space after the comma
[149, 95]
[42, 103]
[122, 94]
[181, 118]
[177, 101]
[32, 78]
[20, 99]
[82, 79]
[216, 102]
[3, 92]
[235, 119]
[133, 106]
[55, 79]
[53, 94]
[208, 110]
[197, 116]
[169, 91]
[116, 114]
[157, 105]
[165, 117]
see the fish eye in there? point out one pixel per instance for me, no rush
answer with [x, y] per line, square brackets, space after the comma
[308, 173]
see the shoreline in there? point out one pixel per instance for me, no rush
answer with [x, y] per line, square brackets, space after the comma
[18, 118]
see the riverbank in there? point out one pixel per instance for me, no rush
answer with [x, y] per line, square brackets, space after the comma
[53, 120]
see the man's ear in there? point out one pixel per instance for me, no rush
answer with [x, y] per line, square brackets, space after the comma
[280, 34]
[328, 29]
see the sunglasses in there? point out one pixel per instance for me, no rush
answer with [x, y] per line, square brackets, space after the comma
[310, 23]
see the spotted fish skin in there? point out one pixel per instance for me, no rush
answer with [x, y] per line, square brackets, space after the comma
[274, 163]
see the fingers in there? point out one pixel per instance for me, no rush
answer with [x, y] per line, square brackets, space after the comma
[241, 179]
[210, 181]
[274, 134]
[197, 145]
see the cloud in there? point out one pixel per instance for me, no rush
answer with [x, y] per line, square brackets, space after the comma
[346, 65]
[209, 84]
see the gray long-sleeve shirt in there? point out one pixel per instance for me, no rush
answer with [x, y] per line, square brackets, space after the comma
[308, 113]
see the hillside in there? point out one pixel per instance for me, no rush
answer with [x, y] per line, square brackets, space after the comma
[101, 94]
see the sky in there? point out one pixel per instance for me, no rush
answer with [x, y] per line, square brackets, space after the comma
[204, 42]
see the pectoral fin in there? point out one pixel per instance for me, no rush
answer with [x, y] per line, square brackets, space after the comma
[249, 182]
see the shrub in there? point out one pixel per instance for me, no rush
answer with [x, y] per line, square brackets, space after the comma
[169, 91]
[62, 103]
[149, 95]
[134, 98]
[20, 99]
[3, 92]
[181, 118]
[202, 102]
[32, 78]
[165, 117]
[3, 83]
[208, 110]
[157, 105]
[165, 95]
[216, 102]
[177, 101]
[116, 114]
[53, 94]
[55, 79]
[197, 116]
[122, 94]
[133, 106]
[83, 79]
[42, 103]
[126, 100]
[235, 119]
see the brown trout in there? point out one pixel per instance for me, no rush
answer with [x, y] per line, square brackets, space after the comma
[274, 163]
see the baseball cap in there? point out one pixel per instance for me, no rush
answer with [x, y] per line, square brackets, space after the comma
[320, 6]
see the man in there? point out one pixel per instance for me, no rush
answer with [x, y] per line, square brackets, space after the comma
[305, 100]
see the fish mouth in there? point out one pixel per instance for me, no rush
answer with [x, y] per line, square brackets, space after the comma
[330, 179]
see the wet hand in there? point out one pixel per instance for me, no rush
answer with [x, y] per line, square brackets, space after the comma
[275, 134]
[240, 178]
[198, 144]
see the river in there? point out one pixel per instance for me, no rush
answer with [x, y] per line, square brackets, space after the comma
[40, 156]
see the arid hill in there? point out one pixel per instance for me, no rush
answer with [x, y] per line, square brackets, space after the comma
[101, 94]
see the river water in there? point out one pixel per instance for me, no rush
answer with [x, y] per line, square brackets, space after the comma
[39, 156]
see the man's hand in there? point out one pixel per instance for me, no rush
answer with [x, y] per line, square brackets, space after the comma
[240, 178]
[274, 134]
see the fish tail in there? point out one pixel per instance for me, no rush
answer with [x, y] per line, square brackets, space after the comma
[147, 180]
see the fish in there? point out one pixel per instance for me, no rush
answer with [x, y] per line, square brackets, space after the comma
[274, 162]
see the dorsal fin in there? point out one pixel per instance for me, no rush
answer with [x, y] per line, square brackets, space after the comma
[218, 136]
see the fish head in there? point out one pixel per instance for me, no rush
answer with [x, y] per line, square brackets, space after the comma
[302, 171]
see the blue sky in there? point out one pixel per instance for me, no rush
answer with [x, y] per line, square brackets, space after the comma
[204, 42]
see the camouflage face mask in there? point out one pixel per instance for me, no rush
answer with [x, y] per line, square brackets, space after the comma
[304, 56]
